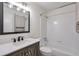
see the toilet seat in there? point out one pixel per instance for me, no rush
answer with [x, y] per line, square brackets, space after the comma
[47, 51]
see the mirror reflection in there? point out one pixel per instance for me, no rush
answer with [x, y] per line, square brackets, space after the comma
[15, 19]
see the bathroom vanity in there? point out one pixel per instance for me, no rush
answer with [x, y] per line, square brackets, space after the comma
[13, 21]
[32, 50]
[29, 47]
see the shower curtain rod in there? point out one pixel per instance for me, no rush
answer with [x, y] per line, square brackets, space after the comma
[59, 7]
[66, 5]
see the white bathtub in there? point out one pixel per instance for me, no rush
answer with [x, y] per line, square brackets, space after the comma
[57, 52]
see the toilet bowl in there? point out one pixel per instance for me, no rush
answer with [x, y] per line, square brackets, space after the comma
[46, 51]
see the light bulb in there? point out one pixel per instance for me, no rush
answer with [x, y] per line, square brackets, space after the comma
[18, 9]
[27, 9]
[24, 11]
[10, 6]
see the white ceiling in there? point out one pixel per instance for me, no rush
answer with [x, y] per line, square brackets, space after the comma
[51, 5]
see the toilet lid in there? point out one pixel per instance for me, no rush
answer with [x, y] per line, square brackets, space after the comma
[46, 49]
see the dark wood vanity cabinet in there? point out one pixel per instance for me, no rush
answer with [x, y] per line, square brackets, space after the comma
[32, 50]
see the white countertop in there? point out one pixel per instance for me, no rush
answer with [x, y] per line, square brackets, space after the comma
[11, 47]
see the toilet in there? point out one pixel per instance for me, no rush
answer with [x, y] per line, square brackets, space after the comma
[46, 51]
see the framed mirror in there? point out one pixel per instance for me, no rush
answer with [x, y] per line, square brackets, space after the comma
[15, 19]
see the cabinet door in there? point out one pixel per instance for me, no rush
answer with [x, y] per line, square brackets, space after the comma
[33, 50]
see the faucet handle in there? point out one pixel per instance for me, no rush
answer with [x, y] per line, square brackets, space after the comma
[22, 38]
[14, 40]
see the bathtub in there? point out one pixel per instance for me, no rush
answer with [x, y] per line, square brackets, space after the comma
[58, 52]
[55, 52]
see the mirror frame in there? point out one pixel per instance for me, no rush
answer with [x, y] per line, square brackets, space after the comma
[1, 22]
